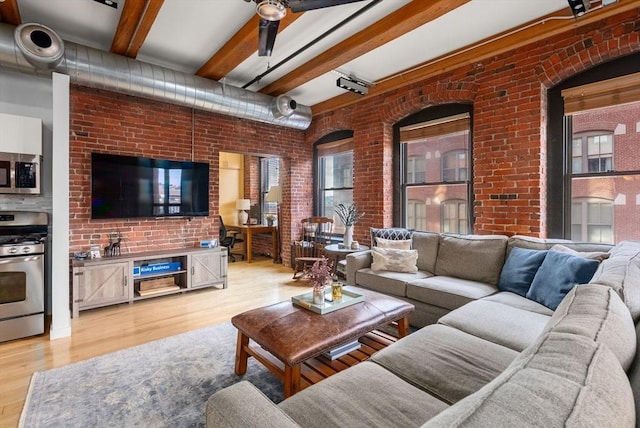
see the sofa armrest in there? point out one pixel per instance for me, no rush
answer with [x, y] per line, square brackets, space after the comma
[244, 405]
[355, 262]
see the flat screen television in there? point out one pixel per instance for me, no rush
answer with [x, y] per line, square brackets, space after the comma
[133, 187]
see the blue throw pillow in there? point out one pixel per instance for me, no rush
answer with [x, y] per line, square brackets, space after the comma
[557, 275]
[520, 269]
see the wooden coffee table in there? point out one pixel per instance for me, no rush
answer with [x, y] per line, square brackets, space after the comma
[286, 336]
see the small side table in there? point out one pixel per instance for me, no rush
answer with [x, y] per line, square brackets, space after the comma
[334, 251]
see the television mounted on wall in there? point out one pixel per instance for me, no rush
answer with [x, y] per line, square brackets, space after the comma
[135, 187]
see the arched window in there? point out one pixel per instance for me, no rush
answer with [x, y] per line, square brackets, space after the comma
[454, 216]
[593, 158]
[417, 215]
[592, 220]
[433, 166]
[334, 175]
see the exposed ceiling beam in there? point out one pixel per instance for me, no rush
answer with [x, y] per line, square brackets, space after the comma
[400, 22]
[148, 18]
[129, 21]
[241, 46]
[10, 13]
[540, 29]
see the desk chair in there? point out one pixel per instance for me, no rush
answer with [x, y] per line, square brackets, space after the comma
[228, 238]
[316, 233]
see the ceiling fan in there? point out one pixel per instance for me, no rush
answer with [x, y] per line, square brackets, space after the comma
[272, 11]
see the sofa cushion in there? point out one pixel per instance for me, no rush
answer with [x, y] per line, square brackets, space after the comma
[546, 244]
[511, 299]
[558, 274]
[634, 377]
[426, 243]
[400, 244]
[564, 380]
[474, 257]
[447, 292]
[243, 405]
[445, 362]
[595, 255]
[621, 271]
[392, 283]
[393, 260]
[520, 269]
[598, 313]
[505, 325]
[366, 395]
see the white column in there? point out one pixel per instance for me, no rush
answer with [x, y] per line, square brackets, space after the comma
[60, 313]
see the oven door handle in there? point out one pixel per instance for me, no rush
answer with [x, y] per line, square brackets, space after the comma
[19, 260]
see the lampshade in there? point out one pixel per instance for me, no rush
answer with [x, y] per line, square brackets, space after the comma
[274, 194]
[243, 204]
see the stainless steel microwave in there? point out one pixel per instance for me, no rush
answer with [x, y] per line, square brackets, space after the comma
[19, 173]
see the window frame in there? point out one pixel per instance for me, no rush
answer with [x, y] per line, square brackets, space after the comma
[265, 184]
[336, 137]
[559, 128]
[400, 209]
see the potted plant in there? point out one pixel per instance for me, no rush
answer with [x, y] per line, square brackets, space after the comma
[320, 275]
[270, 219]
[349, 216]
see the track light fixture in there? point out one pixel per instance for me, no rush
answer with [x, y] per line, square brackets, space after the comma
[579, 7]
[271, 10]
[353, 84]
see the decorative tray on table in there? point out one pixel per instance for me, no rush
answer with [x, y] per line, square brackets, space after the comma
[306, 301]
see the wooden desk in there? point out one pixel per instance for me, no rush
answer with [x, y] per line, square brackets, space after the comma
[248, 230]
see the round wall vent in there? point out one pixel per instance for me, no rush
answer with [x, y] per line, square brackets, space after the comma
[40, 45]
[284, 106]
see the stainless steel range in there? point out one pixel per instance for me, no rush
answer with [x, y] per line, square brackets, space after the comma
[23, 236]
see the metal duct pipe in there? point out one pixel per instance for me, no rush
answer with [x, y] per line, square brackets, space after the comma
[104, 70]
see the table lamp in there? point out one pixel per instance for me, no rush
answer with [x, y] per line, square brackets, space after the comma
[242, 205]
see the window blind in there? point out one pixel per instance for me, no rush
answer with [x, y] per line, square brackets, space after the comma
[335, 147]
[606, 93]
[434, 128]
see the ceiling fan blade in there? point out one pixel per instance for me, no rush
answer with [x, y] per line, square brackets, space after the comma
[305, 5]
[267, 32]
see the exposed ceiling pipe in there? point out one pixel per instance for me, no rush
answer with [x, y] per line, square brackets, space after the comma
[36, 49]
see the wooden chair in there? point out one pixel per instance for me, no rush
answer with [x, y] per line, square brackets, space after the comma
[316, 233]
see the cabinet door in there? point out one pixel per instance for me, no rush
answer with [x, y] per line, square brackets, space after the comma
[103, 285]
[206, 268]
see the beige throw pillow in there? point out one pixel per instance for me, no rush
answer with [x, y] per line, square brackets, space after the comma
[394, 260]
[398, 244]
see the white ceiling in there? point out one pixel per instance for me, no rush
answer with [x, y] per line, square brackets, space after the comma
[186, 33]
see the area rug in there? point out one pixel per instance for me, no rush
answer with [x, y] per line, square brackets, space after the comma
[164, 383]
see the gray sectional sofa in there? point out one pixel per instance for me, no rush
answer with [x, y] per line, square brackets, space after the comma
[452, 270]
[491, 357]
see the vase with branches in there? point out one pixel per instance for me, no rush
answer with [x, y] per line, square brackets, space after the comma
[349, 216]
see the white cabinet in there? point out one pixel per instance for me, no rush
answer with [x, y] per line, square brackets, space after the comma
[113, 280]
[21, 134]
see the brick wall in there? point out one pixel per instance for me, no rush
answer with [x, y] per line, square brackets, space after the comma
[107, 122]
[508, 93]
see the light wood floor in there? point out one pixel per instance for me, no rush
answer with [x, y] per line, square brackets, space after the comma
[100, 331]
